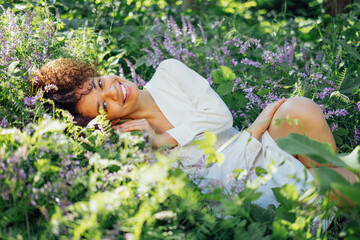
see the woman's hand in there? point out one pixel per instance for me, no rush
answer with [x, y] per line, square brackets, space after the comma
[157, 140]
[262, 122]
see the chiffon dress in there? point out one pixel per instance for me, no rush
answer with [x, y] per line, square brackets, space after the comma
[192, 107]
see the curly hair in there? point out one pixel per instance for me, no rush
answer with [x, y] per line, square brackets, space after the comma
[67, 75]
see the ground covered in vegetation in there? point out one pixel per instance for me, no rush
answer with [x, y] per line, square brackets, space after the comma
[61, 181]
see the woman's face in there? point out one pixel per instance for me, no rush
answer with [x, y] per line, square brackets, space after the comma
[116, 96]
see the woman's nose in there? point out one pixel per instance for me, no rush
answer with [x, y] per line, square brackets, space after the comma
[111, 92]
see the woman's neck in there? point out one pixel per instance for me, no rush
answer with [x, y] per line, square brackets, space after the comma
[146, 106]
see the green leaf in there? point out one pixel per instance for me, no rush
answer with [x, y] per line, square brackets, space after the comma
[227, 73]
[260, 171]
[287, 195]
[342, 131]
[217, 76]
[210, 138]
[279, 230]
[297, 144]
[235, 100]
[250, 194]
[326, 177]
[350, 191]
[41, 163]
[348, 84]
[349, 48]
[263, 92]
[224, 88]
[12, 66]
[352, 159]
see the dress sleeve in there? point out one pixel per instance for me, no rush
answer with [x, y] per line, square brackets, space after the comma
[209, 112]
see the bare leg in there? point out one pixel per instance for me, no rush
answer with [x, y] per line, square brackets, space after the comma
[314, 126]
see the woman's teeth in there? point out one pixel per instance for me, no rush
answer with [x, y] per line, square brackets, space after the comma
[123, 90]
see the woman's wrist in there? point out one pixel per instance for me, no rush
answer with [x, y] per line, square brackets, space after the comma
[253, 132]
[164, 140]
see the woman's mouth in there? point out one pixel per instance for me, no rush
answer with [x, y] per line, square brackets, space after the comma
[125, 92]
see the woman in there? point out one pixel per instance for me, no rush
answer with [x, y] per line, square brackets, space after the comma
[177, 106]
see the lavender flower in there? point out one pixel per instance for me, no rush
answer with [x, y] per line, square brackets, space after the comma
[337, 112]
[271, 57]
[325, 92]
[30, 101]
[192, 32]
[137, 79]
[184, 25]
[175, 27]
[203, 34]
[358, 105]
[357, 136]
[4, 123]
[121, 71]
[301, 74]
[237, 81]
[333, 127]
[254, 100]
[233, 113]
[247, 61]
[291, 51]
[217, 23]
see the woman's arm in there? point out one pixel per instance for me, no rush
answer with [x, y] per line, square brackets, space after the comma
[157, 140]
[263, 121]
[207, 112]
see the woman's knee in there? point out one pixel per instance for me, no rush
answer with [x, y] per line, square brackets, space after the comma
[296, 114]
[299, 108]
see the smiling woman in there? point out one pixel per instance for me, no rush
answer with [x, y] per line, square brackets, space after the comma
[177, 106]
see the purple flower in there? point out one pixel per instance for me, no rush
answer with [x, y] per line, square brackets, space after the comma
[50, 87]
[184, 25]
[291, 51]
[217, 23]
[333, 127]
[175, 27]
[203, 34]
[247, 61]
[358, 105]
[192, 32]
[29, 101]
[121, 71]
[357, 136]
[337, 112]
[271, 57]
[233, 113]
[237, 81]
[301, 74]
[137, 79]
[326, 92]
[4, 123]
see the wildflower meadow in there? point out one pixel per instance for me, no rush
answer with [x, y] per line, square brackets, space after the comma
[62, 181]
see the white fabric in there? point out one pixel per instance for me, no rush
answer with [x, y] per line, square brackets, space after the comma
[187, 101]
[192, 107]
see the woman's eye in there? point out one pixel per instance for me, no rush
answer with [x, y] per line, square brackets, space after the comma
[100, 83]
[105, 106]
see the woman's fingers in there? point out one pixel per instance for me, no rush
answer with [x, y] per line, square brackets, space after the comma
[273, 107]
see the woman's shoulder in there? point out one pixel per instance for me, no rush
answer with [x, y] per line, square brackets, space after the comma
[170, 61]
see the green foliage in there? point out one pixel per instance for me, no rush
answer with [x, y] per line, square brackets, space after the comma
[212, 156]
[329, 180]
[61, 181]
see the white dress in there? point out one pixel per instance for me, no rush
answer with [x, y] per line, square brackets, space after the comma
[192, 107]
